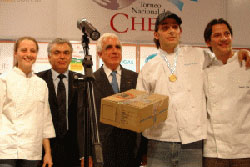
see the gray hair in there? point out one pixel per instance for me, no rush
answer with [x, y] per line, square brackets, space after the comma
[102, 38]
[59, 41]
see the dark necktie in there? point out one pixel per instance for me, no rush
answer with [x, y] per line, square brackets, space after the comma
[114, 82]
[61, 101]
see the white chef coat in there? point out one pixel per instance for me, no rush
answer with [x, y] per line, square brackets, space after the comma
[186, 120]
[228, 105]
[25, 116]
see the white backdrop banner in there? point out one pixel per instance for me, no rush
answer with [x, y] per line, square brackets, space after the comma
[132, 20]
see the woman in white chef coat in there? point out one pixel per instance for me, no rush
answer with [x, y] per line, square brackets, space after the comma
[25, 117]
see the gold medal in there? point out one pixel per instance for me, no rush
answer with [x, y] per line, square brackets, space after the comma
[172, 78]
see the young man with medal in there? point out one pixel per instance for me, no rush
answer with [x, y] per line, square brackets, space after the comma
[176, 71]
[227, 88]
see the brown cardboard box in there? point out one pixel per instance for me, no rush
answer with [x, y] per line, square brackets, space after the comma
[134, 110]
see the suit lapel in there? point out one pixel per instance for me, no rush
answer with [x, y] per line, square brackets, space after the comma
[126, 81]
[52, 92]
[123, 81]
[104, 84]
[71, 89]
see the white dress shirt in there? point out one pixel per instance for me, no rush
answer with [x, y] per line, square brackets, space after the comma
[109, 76]
[186, 120]
[228, 105]
[25, 116]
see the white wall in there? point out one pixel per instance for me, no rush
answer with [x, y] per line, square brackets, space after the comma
[238, 14]
[47, 19]
[26, 18]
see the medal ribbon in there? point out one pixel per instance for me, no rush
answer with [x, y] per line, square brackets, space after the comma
[171, 68]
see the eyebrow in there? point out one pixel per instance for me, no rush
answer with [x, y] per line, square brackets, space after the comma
[221, 32]
[164, 23]
[61, 51]
[110, 46]
[27, 48]
[118, 46]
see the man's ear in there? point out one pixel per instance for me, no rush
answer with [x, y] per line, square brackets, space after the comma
[208, 43]
[15, 58]
[99, 54]
[156, 35]
[49, 58]
[15, 55]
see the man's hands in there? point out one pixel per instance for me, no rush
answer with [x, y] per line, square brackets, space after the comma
[90, 162]
[244, 55]
[47, 160]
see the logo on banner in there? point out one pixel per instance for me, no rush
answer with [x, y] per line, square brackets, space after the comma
[140, 16]
[179, 4]
[119, 4]
[114, 4]
[127, 61]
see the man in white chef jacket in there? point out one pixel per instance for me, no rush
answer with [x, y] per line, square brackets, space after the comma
[227, 88]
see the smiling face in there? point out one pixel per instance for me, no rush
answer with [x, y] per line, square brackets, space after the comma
[26, 55]
[60, 57]
[221, 40]
[168, 34]
[111, 53]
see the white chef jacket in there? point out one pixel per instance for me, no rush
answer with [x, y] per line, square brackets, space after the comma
[228, 105]
[186, 120]
[25, 116]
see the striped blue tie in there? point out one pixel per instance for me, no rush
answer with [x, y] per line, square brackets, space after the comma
[114, 82]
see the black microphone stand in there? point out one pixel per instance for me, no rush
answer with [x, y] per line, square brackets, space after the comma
[92, 145]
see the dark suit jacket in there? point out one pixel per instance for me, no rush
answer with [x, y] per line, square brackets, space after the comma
[64, 149]
[118, 145]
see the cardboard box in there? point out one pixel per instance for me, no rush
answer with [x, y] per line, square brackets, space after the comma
[134, 110]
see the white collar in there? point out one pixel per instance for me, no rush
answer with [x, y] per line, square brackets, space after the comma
[20, 72]
[55, 74]
[217, 62]
[163, 52]
[108, 71]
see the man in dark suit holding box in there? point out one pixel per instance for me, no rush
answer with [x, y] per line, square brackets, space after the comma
[118, 145]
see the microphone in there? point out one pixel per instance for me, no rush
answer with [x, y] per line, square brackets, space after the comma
[87, 27]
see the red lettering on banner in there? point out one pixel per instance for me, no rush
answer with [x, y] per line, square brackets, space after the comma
[112, 24]
[133, 24]
[136, 22]
[150, 24]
